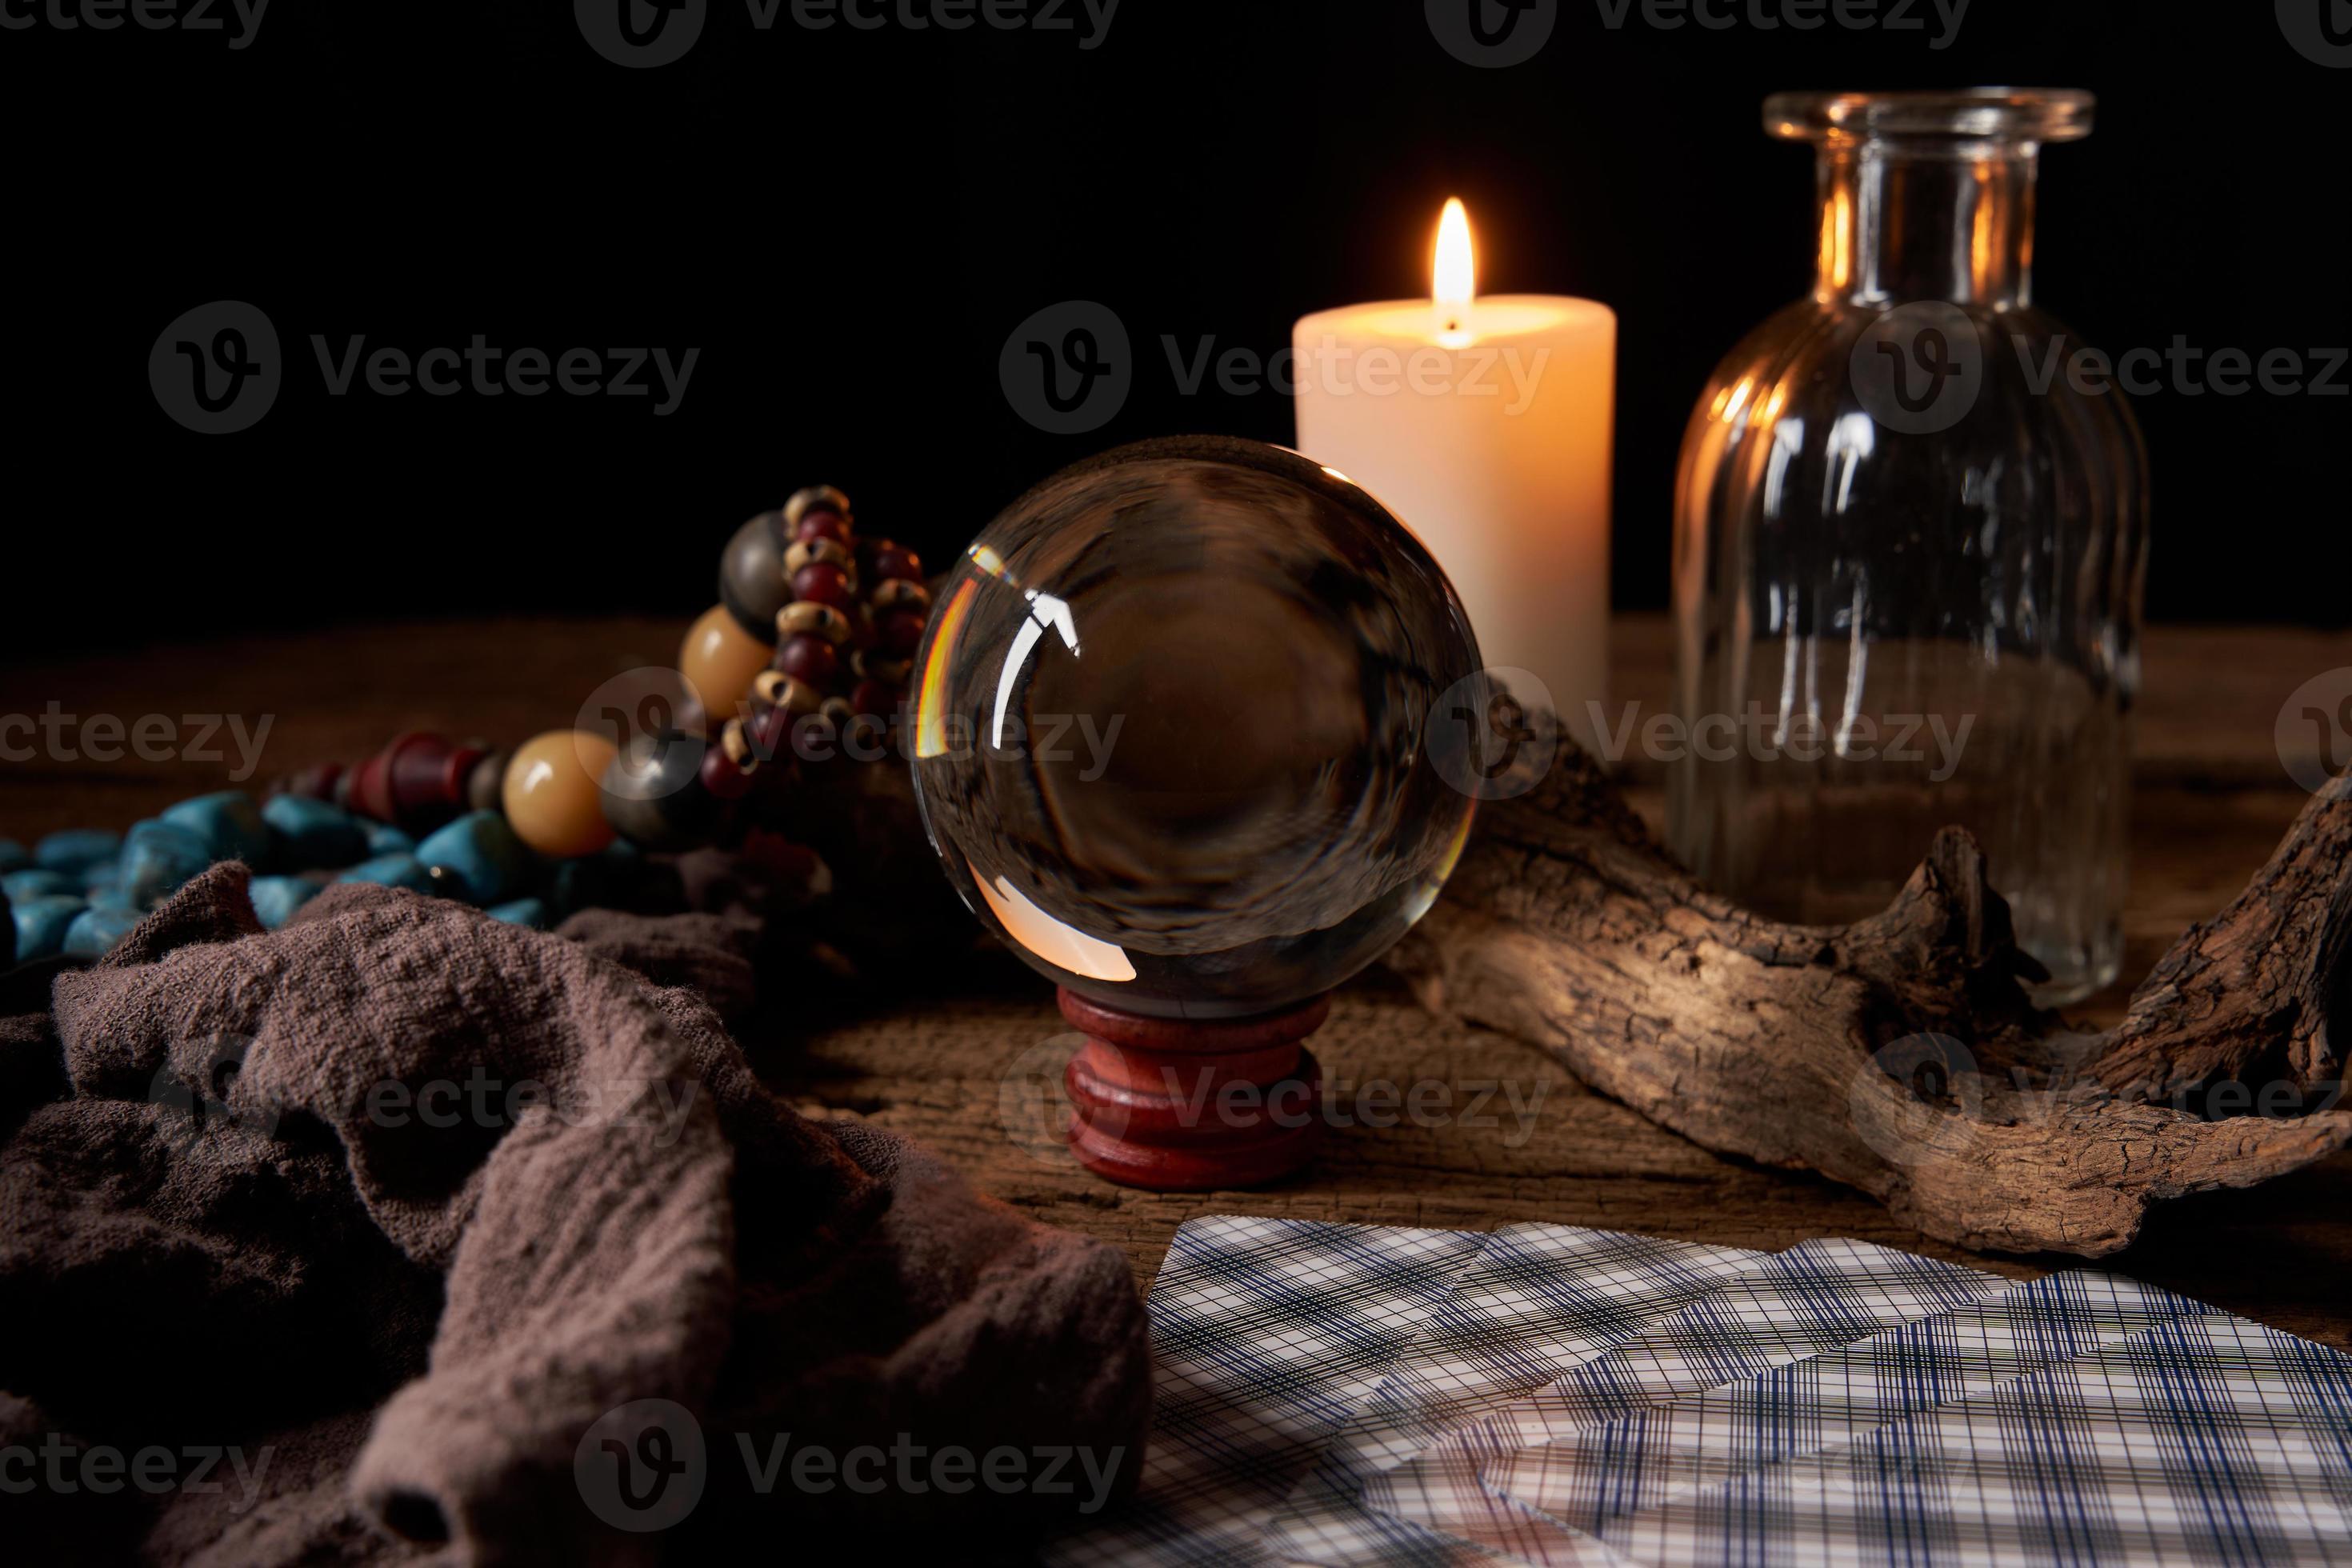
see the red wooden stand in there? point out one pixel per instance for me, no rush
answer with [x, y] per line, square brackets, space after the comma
[1184, 1105]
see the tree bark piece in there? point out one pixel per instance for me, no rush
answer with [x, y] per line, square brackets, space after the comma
[1901, 1054]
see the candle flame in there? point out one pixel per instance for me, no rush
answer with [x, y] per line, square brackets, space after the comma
[1454, 275]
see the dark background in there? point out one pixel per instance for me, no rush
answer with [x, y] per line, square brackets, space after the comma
[848, 225]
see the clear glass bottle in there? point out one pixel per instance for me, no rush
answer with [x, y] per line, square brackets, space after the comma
[1909, 549]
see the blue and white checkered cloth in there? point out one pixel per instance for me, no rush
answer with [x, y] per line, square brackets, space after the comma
[1333, 1393]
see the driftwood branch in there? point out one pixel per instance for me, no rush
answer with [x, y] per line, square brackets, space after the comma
[1901, 1054]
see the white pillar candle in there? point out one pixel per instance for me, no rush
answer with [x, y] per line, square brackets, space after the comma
[1485, 424]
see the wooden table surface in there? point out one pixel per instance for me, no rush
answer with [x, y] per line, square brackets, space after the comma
[969, 1074]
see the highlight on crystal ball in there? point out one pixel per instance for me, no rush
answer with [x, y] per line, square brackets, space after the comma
[1177, 734]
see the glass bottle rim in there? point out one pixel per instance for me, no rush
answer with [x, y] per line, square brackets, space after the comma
[1973, 113]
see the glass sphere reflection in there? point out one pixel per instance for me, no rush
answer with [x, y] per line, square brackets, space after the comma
[1174, 728]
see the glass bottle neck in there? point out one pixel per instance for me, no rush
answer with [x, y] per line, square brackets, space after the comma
[1935, 220]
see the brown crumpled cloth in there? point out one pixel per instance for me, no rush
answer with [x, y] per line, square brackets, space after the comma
[209, 1239]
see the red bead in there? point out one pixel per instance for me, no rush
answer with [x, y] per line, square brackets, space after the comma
[876, 697]
[823, 583]
[721, 777]
[822, 523]
[900, 632]
[808, 658]
[892, 559]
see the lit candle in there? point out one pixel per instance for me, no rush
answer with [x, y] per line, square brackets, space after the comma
[1485, 424]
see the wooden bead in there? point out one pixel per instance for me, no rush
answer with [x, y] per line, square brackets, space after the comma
[810, 619]
[719, 659]
[898, 594]
[870, 664]
[777, 690]
[816, 497]
[876, 697]
[814, 550]
[551, 792]
[736, 742]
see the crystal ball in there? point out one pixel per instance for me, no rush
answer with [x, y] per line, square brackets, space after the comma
[1182, 727]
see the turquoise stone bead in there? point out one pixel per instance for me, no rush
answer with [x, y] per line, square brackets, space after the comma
[311, 834]
[41, 925]
[383, 838]
[229, 823]
[111, 892]
[394, 870]
[274, 899]
[159, 857]
[72, 849]
[39, 882]
[95, 931]
[531, 912]
[12, 856]
[8, 932]
[594, 881]
[486, 862]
